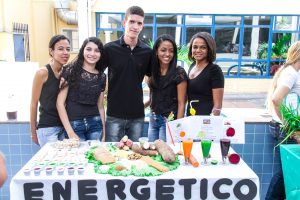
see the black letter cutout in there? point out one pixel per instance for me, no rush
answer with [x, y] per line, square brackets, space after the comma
[217, 185]
[203, 188]
[145, 192]
[252, 189]
[58, 190]
[30, 192]
[161, 189]
[115, 187]
[187, 185]
[86, 189]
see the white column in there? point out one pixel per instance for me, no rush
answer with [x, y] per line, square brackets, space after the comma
[84, 20]
[254, 38]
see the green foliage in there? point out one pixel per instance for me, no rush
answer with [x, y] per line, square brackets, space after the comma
[290, 121]
[279, 49]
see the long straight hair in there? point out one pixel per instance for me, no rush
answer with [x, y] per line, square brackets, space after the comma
[293, 56]
[154, 80]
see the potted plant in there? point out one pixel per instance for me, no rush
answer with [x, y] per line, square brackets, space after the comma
[290, 123]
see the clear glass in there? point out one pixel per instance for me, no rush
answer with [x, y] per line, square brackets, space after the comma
[187, 149]
[225, 145]
[205, 146]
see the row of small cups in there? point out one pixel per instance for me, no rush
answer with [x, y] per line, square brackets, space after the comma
[49, 170]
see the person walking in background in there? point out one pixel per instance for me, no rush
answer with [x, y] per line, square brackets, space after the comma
[3, 170]
[286, 81]
[205, 79]
[80, 101]
[45, 88]
[167, 85]
[128, 61]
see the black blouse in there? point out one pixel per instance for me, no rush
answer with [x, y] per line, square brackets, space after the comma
[164, 97]
[83, 93]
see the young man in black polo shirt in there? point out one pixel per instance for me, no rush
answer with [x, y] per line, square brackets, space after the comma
[128, 61]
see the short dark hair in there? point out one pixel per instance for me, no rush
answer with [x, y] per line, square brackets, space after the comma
[134, 10]
[211, 46]
[55, 39]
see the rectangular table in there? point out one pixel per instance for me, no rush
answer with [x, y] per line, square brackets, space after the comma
[205, 182]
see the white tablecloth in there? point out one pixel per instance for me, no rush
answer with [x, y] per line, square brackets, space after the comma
[205, 182]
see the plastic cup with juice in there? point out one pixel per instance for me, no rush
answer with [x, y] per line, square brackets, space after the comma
[187, 149]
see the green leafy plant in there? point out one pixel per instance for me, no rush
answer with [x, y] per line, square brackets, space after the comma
[290, 123]
[279, 49]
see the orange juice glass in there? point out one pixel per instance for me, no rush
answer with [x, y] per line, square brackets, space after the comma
[187, 148]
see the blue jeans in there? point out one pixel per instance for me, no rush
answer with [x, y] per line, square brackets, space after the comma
[89, 128]
[50, 134]
[116, 128]
[157, 127]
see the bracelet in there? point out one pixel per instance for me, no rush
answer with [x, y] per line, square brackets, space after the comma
[217, 109]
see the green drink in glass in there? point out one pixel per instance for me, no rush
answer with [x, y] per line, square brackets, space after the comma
[205, 145]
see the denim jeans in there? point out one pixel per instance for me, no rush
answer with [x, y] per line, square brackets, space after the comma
[116, 128]
[157, 127]
[89, 128]
[50, 134]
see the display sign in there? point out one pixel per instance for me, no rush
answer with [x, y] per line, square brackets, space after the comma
[206, 127]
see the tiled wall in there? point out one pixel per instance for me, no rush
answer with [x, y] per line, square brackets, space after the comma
[15, 143]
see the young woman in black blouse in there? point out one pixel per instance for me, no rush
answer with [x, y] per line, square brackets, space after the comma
[205, 79]
[167, 85]
[80, 102]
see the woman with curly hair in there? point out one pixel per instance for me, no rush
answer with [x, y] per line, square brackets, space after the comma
[80, 101]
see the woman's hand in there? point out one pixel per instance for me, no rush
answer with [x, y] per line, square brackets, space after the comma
[34, 138]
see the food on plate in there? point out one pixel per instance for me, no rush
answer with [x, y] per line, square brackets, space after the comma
[154, 164]
[193, 161]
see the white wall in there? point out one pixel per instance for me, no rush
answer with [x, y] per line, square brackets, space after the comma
[16, 79]
[202, 6]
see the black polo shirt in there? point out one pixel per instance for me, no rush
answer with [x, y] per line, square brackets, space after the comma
[126, 71]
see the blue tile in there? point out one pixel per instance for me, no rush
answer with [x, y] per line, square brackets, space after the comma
[249, 128]
[248, 148]
[267, 168]
[258, 158]
[25, 128]
[260, 128]
[15, 149]
[257, 168]
[3, 129]
[276, 167]
[268, 148]
[259, 138]
[4, 139]
[268, 158]
[26, 158]
[15, 159]
[14, 139]
[25, 139]
[249, 138]
[258, 148]
[14, 129]
[238, 148]
[26, 149]
[266, 178]
[5, 149]
[269, 138]
[248, 158]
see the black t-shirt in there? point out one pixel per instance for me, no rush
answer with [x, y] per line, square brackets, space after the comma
[84, 93]
[126, 71]
[164, 98]
[200, 88]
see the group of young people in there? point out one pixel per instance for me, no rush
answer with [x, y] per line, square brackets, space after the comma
[71, 95]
